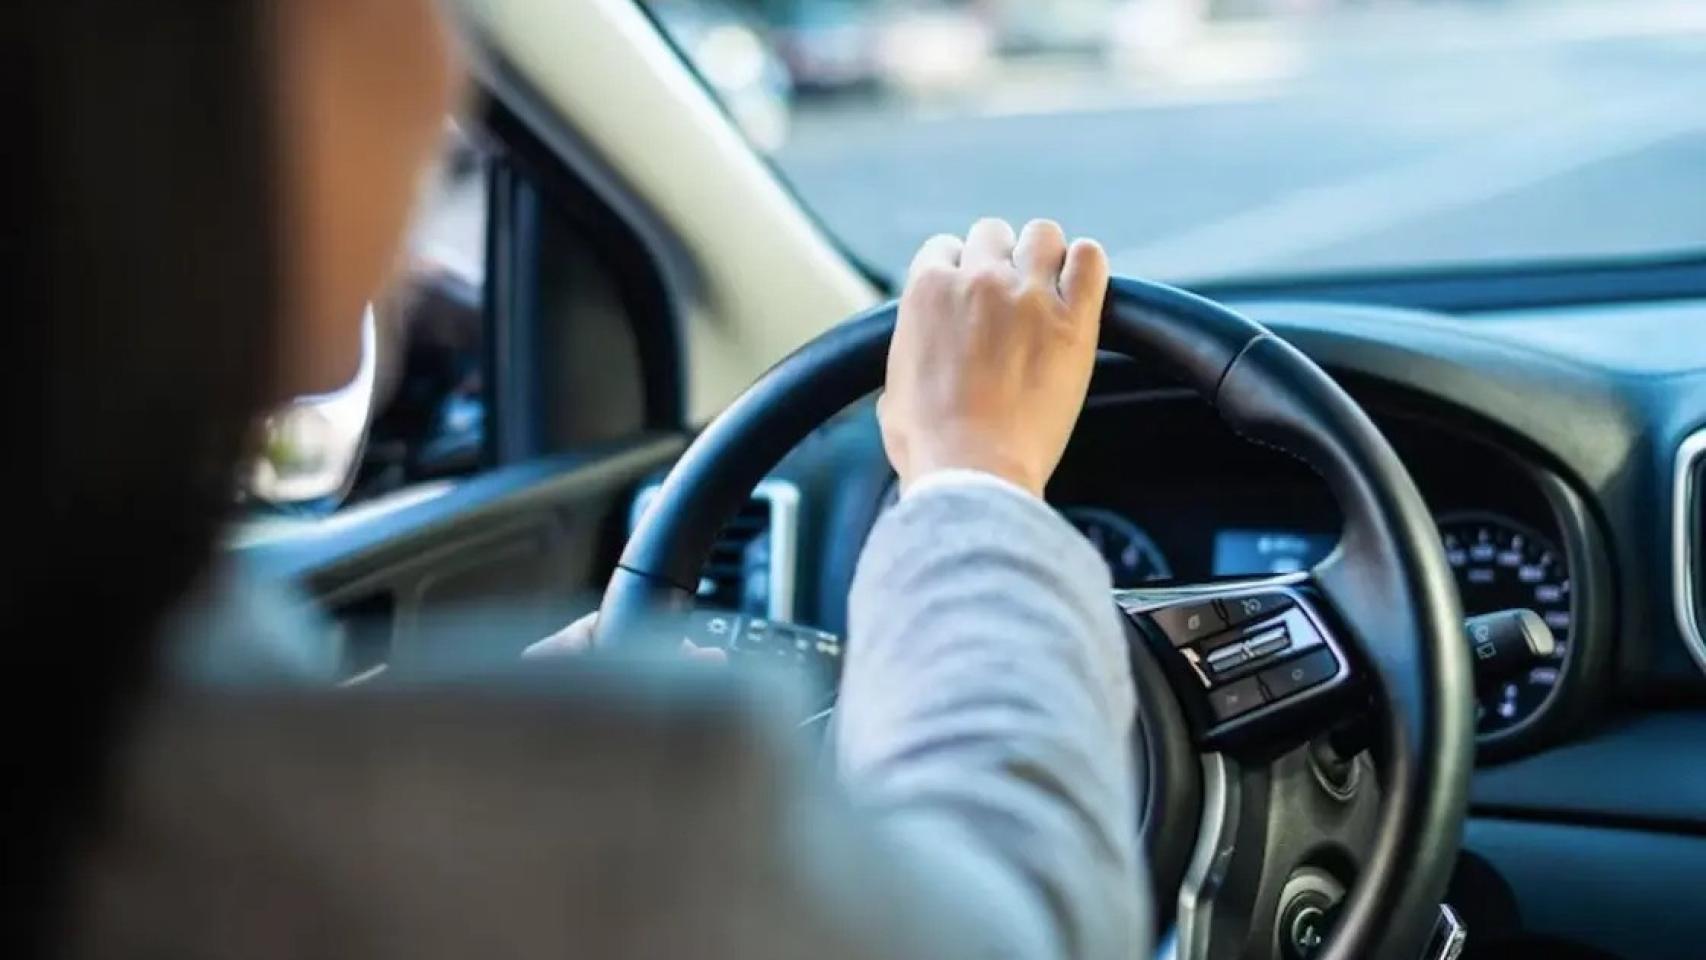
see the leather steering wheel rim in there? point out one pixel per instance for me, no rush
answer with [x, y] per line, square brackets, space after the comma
[1388, 578]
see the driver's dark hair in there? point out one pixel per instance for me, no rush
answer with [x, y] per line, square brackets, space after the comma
[139, 283]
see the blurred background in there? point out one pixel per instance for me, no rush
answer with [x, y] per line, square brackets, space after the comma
[1210, 139]
[1202, 141]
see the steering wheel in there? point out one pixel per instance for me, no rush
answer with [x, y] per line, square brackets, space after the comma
[1254, 809]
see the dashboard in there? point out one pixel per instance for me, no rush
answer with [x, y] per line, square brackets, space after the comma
[1562, 452]
[1168, 495]
[1547, 443]
[1500, 564]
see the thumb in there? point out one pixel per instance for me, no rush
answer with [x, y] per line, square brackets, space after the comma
[572, 639]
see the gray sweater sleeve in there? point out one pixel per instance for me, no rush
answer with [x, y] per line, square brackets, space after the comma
[985, 716]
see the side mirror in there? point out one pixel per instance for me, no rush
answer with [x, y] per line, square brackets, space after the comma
[312, 447]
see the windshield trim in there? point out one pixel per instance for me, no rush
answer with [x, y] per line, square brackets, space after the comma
[1486, 286]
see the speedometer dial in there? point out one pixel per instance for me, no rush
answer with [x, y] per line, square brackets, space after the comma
[1133, 558]
[1500, 565]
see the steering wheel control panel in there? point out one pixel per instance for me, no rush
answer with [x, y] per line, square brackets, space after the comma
[1242, 654]
[814, 654]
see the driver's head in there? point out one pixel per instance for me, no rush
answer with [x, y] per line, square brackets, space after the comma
[363, 88]
[200, 197]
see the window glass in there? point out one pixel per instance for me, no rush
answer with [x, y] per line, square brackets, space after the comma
[1230, 139]
[430, 404]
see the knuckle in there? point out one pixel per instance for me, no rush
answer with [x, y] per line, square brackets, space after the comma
[1070, 326]
[988, 282]
[1037, 300]
[933, 275]
[928, 293]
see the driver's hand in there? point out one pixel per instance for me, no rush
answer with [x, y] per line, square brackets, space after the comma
[572, 639]
[577, 638]
[992, 352]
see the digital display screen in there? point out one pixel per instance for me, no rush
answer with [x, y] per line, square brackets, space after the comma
[1244, 553]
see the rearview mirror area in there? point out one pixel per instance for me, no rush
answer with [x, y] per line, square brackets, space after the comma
[414, 414]
[310, 449]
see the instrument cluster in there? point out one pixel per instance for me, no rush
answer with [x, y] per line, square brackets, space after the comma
[1175, 498]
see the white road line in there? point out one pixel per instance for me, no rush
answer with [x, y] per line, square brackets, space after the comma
[1317, 217]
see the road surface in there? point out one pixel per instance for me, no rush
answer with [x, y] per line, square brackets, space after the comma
[1392, 136]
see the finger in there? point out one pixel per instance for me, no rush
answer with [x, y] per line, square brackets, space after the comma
[942, 250]
[988, 243]
[1040, 252]
[572, 639]
[1084, 278]
[698, 654]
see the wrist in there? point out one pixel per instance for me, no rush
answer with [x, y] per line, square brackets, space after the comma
[959, 478]
[1006, 469]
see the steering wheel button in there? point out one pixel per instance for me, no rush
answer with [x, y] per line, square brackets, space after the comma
[716, 628]
[1267, 642]
[1306, 932]
[1300, 674]
[1187, 623]
[1242, 610]
[1226, 658]
[1236, 698]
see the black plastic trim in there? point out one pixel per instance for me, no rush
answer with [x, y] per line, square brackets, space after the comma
[512, 387]
[1623, 893]
[1391, 581]
[1495, 287]
[636, 265]
[1168, 774]
[1580, 686]
[1663, 826]
[1646, 770]
[345, 549]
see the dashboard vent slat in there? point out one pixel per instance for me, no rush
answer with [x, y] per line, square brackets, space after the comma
[751, 564]
[1688, 565]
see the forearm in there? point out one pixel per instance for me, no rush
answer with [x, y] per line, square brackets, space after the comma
[987, 699]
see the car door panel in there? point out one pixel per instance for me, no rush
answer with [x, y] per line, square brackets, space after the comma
[473, 572]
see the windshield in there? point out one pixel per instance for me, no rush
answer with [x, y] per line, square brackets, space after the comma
[1221, 139]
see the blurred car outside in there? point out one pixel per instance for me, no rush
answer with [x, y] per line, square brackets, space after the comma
[928, 49]
[733, 55]
[828, 46]
[1044, 27]
[845, 47]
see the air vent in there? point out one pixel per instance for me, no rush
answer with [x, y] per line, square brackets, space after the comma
[751, 566]
[1688, 519]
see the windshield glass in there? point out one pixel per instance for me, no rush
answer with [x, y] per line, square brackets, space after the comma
[1220, 139]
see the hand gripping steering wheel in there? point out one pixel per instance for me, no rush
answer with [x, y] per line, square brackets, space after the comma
[1267, 834]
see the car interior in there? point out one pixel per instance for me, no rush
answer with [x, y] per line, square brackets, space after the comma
[648, 384]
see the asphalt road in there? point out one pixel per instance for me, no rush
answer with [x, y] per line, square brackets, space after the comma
[1387, 137]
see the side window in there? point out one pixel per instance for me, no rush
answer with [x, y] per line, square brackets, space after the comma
[430, 400]
[417, 410]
